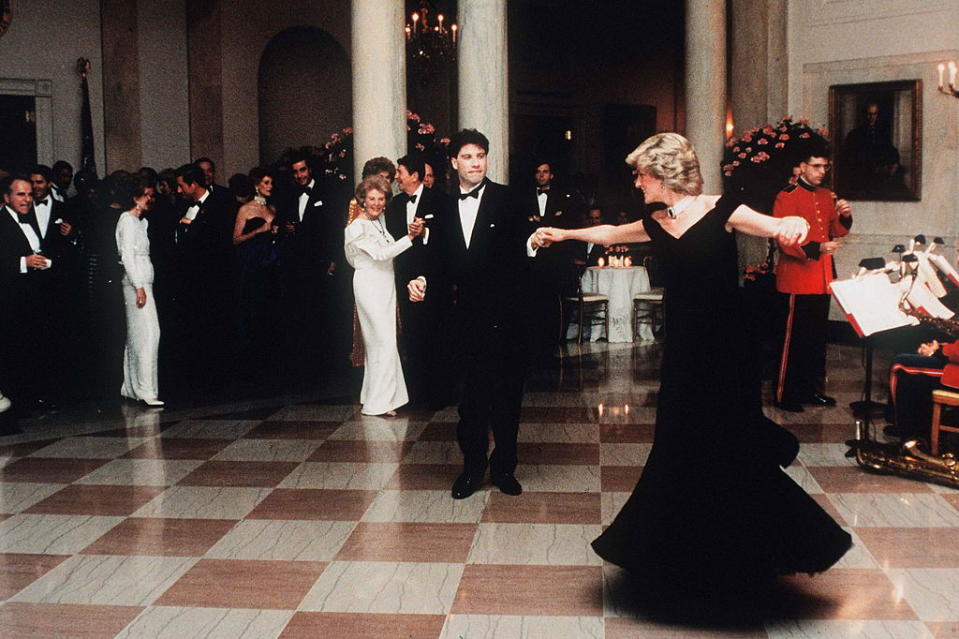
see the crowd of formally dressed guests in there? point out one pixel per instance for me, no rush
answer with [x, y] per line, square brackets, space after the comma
[167, 284]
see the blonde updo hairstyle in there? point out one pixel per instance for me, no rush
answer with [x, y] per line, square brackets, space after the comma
[373, 183]
[671, 158]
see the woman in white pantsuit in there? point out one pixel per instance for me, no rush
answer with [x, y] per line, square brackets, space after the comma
[143, 328]
[370, 250]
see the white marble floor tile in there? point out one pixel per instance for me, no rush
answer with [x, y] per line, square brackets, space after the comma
[559, 433]
[611, 503]
[314, 412]
[368, 428]
[107, 580]
[170, 622]
[843, 629]
[291, 450]
[895, 510]
[558, 478]
[434, 453]
[426, 506]
[824, 454]
[52, 534]
[384, 587]
[521, 627]
[18, 496]
[932, 592]
[283, 540]
[804, 478]
[203, 502]
[89, 447]
[943, 490]
[344, 475]
[141, 472]
[624, 454]
[211, 428]
[858, 556]
[535, 544]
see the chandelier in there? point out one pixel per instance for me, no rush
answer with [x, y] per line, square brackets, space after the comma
[430, 42]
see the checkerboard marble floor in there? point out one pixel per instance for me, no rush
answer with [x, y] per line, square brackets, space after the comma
[306, 519]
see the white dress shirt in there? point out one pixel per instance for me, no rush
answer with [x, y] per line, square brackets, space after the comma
[43, 213]
[469, 207]
[541, 202]
[304, 198]
[28, 233]
[194, 210]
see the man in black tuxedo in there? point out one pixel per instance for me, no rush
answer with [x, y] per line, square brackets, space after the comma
[479, 254]
[422, 337]
[587, 253]
[209, 173]
[62, 178]
[313, 239]
[30, 260]
[204, 253]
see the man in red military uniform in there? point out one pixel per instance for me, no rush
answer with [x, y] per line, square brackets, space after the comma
[804, 273]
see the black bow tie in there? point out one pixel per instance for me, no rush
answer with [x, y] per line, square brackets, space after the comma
[413, 199]
[473, 193]
[30, 219]
[307, 190]
[541, 192]
[42, 202]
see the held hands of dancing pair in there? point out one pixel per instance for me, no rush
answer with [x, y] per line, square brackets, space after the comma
[416, 227]
[417, 288]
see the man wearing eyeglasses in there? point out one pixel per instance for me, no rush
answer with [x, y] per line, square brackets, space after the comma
[804, 273]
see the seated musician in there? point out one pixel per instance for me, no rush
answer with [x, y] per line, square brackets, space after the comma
[912, 379]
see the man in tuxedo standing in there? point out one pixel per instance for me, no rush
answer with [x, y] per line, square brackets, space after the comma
[204, 252]
[313, 230]
[29, 262]
[421, 337]
[209, 173]
[479, 253]
[62, 179]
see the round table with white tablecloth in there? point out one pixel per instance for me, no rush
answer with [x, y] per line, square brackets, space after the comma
[620, 284]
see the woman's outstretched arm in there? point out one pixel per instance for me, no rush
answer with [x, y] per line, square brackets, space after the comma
[788, 230]
[604, 234]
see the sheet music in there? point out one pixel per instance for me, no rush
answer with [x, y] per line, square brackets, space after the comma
[871, 302]
[925, 301]
[941, 263]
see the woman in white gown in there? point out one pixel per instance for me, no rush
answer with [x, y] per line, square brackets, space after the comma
[143, 328]
[370, 250]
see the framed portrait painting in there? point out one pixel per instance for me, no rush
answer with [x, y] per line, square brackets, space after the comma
[877, 140]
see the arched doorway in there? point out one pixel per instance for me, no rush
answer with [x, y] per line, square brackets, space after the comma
[304, 84]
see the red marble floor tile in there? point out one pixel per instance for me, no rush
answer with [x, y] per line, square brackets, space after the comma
[135, 431]
[308, 625]
[424, 477]
[51, 471]
[96, 500]
[21, 450]
[626, 433]
[554, 414]
[292, 430]
[159, 537]
[848, 593]
[953, 500]
[438, 432]
[558, 453]
[60, 621]
[530, 590]
[236, 473]
[5, 516]
[17, 571]
[400, 541]
[943, 629]
[627, 628]
[234, 583]
[361, 451]
[828, 506]
[824, 433]
[619, 478]
[853, 479]
[177, 448]
[912, 547]
[544, 508]
[314, 504]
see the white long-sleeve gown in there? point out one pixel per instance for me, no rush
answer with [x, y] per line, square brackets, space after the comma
[143, 327]
[370, 250]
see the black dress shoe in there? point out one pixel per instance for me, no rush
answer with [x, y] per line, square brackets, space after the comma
[817, 399]
[465, 485]
[507, 484]
[791, 406]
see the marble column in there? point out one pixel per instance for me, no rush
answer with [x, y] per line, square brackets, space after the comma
[706, 86]
[379, 80]
[205, 61]
[483, 86]
[121, 85]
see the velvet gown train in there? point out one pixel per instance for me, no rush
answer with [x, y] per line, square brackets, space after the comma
[713, 507]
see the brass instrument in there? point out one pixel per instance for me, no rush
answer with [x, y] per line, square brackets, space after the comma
[906, 459]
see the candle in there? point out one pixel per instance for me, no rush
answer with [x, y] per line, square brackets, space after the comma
[409, 31]
[952, 74]
[628, 261]
[439, 19]
[942, 69]
[600, 262]
[453, 27]
[416, 20]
